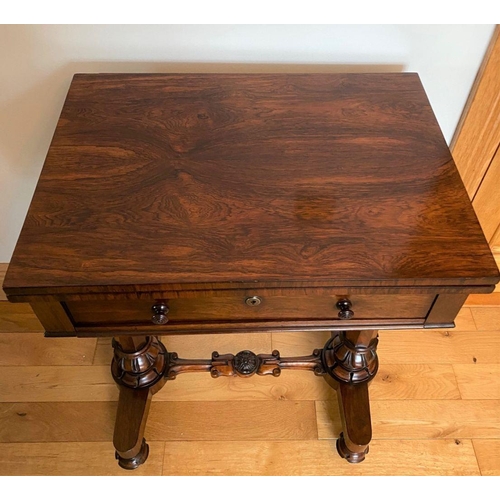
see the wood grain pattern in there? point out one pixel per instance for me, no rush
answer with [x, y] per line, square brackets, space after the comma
[289, 386]
[486, 319]
[476, 142]
[495, 248]
[47, 383]
[410, 346]
[471, 381]
[438, 347]
[18, 318]
[234, 308]
[248, 420]
[311, 458]
[488, 456]
[419, 419]
[168, 421]
[72, 459]
[57, 383]
[34, 349]
[263, 178]
[392, 382]
[131, 417]
[203, 345]
[264, 326]
[83, 383]
[414, 382]
[444, 310]
[486, 202]
[166, 291]
[200, 347]
[103, 352]
[57, 422]
[464, 321]
[53, 316]
[296, 343]
[472, 93]
[483, 300]
[478, 133]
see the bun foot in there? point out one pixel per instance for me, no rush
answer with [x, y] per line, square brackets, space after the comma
[351, 456]
[134, 462]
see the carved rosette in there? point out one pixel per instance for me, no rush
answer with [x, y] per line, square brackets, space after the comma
[350, 363]
[140, 369]
[243, 364]
[246, 363]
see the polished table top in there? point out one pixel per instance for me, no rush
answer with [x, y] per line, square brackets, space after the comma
[216, 179]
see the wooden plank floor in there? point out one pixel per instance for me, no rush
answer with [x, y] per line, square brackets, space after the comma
[435, 406]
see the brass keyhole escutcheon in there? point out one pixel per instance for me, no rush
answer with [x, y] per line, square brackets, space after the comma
[253, 301]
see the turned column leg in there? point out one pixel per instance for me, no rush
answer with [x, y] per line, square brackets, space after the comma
[138, 367]
[350, 362]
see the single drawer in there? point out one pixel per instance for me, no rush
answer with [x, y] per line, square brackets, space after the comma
[240, 307]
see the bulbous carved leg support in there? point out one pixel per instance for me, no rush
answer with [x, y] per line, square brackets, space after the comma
[350, 362]
[142, 365]
[138, 367]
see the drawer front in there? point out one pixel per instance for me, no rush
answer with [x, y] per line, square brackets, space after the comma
[243, 308]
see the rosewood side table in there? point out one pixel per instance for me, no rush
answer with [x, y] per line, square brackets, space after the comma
[212, 203]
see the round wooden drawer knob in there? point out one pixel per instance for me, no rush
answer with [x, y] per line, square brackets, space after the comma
[344, 307]
[160, 312]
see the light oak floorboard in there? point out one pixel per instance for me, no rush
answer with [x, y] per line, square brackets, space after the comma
[478, 381]
[94, 383]
[301, 343]
[18, 318]
[242, 420]
[464, 322]
[419, 419]
[57, 383]
[72, 459]
[414, 382]
[483, 300]
[434, 347]
[202, 346]
[304, 458]
[488, 456]
[103, 352]
[94, 421]
[290, 385]
[24, 349]
[486, 318]
[53, 421]
[198, 346]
